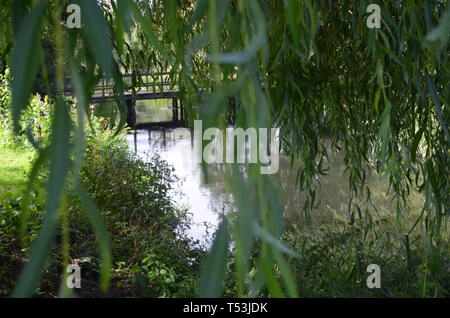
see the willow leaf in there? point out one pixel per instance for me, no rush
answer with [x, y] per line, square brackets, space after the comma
[25, 60]
[213, 272]
[58, 169]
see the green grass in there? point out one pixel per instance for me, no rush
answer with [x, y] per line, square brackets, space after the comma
[14, 165]
[124, 188]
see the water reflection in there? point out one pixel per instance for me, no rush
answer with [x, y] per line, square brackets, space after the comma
[206, 201]
[156, 110]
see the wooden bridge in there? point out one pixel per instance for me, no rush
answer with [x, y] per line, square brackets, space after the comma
[146, 87]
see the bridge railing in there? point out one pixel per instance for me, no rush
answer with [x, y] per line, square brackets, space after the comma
[149, 82]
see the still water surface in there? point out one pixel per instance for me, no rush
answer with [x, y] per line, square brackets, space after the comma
[206, 201]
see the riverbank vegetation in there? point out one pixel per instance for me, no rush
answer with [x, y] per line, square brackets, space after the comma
[151, 256]
[70, 191]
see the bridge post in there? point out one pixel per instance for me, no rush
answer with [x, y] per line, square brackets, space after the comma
[174, 109]
[131, 113]
[182, 112]
[232, 109]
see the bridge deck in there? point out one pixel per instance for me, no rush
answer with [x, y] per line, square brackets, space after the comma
[166, 94]
[150, 86]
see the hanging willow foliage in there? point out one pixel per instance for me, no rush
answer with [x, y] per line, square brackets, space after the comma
[312, 68]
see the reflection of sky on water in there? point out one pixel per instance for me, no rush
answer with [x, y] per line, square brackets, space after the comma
[204, 202]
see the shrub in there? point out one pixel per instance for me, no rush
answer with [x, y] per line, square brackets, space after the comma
[151, 255]
[146, 229]
[334, 260]
[36, 119]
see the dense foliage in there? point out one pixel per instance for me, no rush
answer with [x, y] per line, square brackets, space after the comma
[35, 122]
[146, 230]
[151, 256]
[312, 68]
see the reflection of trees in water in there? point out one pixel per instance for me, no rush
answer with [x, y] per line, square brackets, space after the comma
[154, 110]
[332, 193]
[161, 138]
[213, 180]
[164, 139]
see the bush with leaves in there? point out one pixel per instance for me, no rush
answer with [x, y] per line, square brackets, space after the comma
[335, 256]
[135, 198]
[145, 228]
[35, 120]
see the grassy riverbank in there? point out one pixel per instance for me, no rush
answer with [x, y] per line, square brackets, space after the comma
[150, 257]
[13, 176]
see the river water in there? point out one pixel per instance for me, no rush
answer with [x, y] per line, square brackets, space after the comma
[206, 201]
